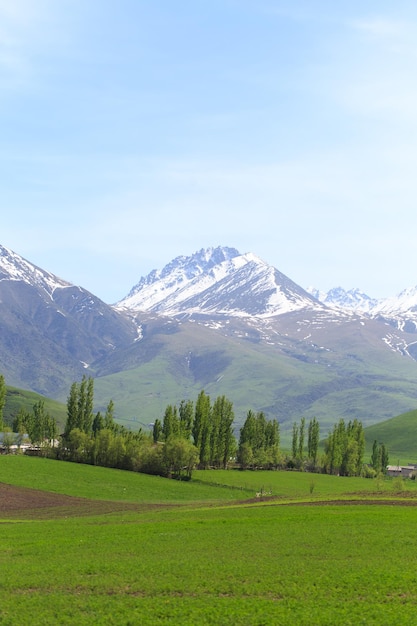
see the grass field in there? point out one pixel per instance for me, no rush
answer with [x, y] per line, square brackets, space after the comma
[206, 552]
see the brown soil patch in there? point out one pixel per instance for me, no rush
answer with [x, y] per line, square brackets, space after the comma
[22, 502]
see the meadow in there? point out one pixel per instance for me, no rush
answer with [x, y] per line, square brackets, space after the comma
[208, 551]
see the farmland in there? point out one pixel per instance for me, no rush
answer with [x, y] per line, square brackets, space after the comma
[100, 546]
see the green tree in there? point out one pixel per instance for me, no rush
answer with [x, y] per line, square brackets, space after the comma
[384, 458]
[157, 431]
[170, 425]
[109, 416]
[344, 449]
[9, 439]
[221, 435]
[3, 392]
[80, 407]
[186, 416]
[301, 436]
[245, 455]
[294, 441]
[78, 446]
[201, 428]
[259, 441]
[72, 410]
[313, 440]
[179, 457]
[40, 427]
[379, 457]
[85, 404]
[98, 423]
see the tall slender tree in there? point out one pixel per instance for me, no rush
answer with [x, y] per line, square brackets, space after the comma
[3, 392]
[294, 442]
[186, 415]
[301, 436]
[170, 425]
[313, 439]
[201, 428]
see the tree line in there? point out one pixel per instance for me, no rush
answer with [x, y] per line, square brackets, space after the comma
[192, 434]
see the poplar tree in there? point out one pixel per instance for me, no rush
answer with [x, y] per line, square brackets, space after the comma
[3, 392]
[109, 416]
[345, 448]
[186, 414]
[313, 439]
[294, 443]
[157, 431]
[258, 441]
[301, 435]
[72, 410]
[80, 407]
[221, 435]
[170, 426]
[201, 428]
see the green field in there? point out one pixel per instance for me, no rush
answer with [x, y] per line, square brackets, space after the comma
[321, 550]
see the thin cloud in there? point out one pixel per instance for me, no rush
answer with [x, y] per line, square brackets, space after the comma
[382, 27]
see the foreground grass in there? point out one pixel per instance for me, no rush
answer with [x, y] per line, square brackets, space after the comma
[235, 566]
[240, 565]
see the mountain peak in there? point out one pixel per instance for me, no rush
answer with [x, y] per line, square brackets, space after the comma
[217, 281]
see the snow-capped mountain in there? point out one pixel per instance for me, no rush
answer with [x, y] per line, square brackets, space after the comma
[16, 268]
[405, 304]
[218, 281]
[398, 310]
[353, 300]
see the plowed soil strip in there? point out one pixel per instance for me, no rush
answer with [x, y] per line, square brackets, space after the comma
[23, 502]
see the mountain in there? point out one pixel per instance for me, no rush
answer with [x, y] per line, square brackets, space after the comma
[218, 281]
[353, 300]
[51, 330]
[402, 308]
[399, 311]
[217, 320]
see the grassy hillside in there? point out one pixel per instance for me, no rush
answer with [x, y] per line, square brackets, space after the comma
[399, 434]
[17, 399]
[101, 483]
[340, 372]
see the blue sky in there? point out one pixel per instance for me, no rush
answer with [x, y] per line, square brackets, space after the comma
[137, 131]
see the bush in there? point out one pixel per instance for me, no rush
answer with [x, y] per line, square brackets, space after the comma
[368, 472]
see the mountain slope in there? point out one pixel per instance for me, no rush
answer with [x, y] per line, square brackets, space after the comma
[50, 329]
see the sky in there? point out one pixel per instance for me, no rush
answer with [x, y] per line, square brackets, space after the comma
[133, 132]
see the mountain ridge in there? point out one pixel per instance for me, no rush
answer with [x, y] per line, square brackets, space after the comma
[219, 320]
[218, 281]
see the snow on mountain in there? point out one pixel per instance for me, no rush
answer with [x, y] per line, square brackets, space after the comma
[401, 310]
[218, 281]
[15, 267]
[353, 300]
[404, 305]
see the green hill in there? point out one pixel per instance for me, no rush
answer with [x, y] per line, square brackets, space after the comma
[18, 399]
[399, 434]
